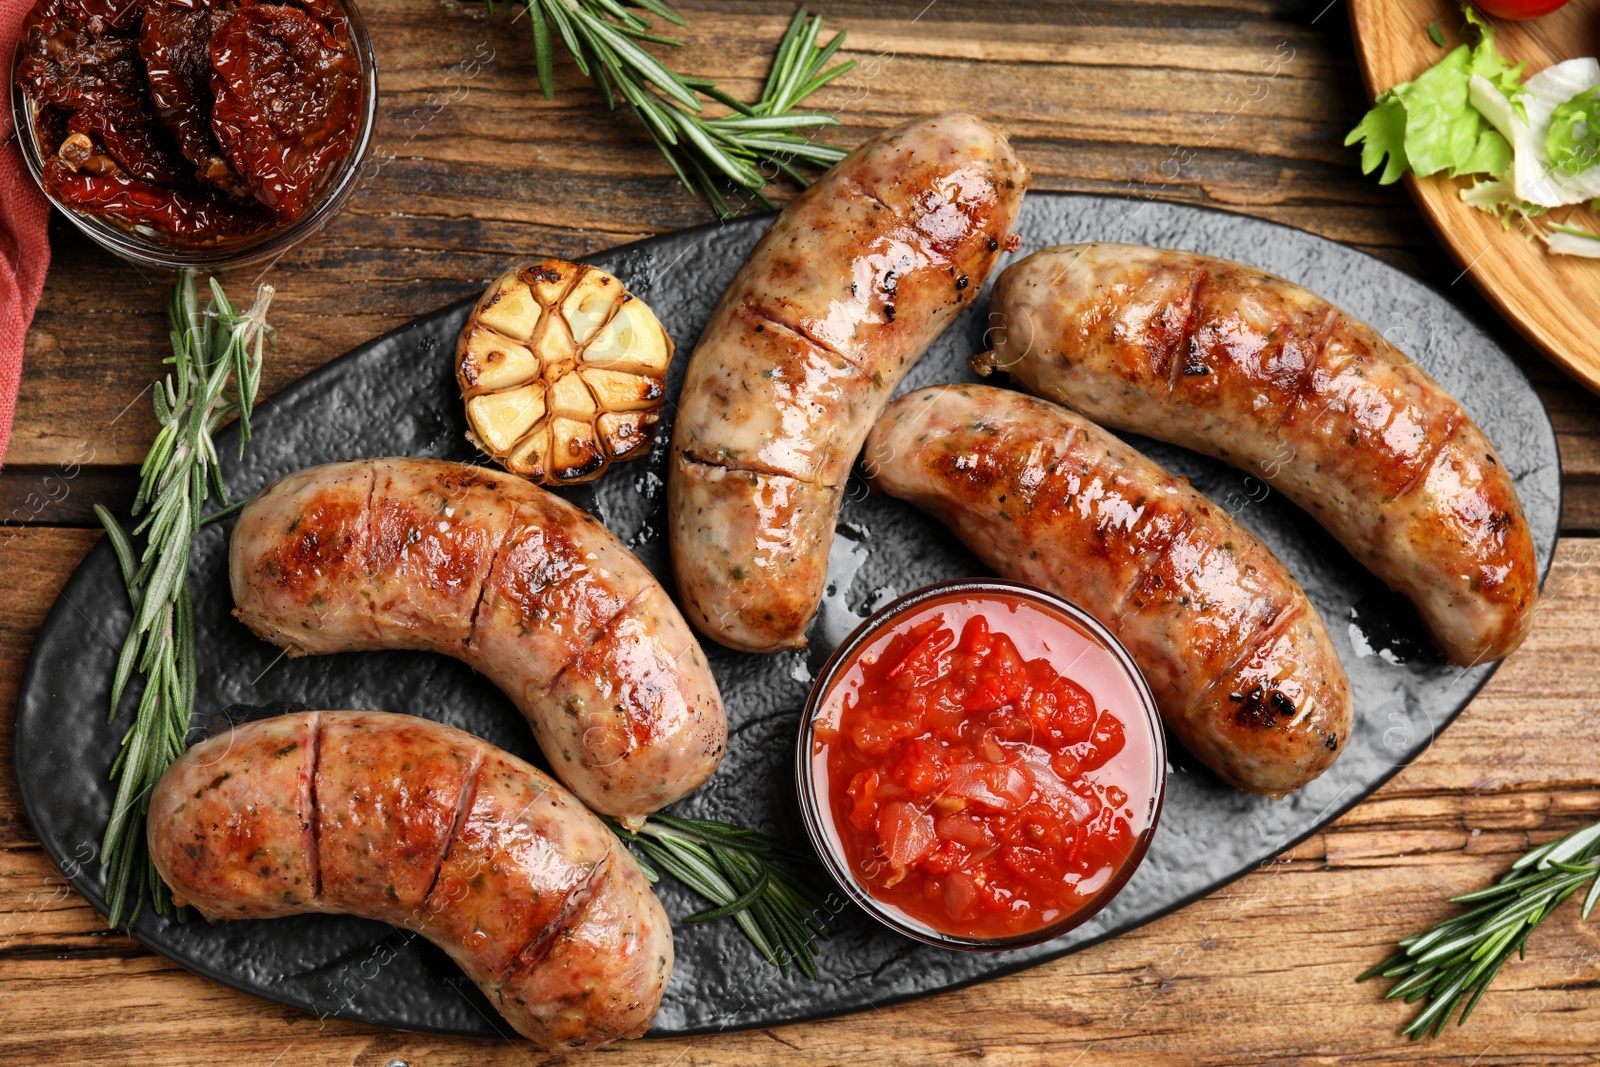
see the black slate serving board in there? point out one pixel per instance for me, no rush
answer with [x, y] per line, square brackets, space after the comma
[397, 396]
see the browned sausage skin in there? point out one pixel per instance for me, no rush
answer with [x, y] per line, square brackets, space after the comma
[1236, 656]
[529, 590]
[396, 818]
[1256, 371]
[839, 298]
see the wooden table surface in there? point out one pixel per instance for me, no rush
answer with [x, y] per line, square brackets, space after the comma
[1239, 104]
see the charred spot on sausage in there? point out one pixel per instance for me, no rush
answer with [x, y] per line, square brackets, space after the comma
[1260, 709]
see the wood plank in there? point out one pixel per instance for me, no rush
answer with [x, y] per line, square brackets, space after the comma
[1259, 972]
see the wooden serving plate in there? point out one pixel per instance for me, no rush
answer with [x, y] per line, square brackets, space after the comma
[1554, 301]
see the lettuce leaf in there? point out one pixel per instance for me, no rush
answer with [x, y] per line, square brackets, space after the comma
[1383, 133]
[1428, 125]
[1573, 142]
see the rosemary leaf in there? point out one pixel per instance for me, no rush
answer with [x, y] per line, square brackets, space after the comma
[605, 38]
[211, 347]
[1452, 964]
[737, 870]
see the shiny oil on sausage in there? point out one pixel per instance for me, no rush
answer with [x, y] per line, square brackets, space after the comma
[421, 825]
[1236, 656]
[527, 589]
[1254, 370]
[840, 297]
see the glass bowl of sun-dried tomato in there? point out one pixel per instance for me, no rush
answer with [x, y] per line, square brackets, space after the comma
[203, 134]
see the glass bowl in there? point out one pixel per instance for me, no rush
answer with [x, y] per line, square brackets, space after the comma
[1124, 684]
[146, 247]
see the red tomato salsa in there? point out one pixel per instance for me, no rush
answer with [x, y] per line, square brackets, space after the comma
[989, 767]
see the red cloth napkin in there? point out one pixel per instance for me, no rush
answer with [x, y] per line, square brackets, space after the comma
[24, 247]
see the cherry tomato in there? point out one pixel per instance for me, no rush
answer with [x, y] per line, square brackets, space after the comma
[1518, 9]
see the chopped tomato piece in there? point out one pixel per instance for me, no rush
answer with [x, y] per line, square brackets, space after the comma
[1002, 788]
[876, 736]
[1106, 743]
[924, 655]
[907, 834]
[864, 790]
[975, 636]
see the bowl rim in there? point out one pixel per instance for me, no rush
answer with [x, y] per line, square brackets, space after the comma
[818, 824]
[130, 245]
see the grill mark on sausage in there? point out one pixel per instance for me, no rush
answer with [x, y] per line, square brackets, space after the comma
[568, 917]
[1435, 447]
[464, 802]
[770, 318]
[1152, 557]
[488, 578]
[767, 314]
[594, 639]
[589, 639]
[1302, 388]
[308, 818]
[1274, 629]
[1178, 355]
[848, 183]
[729, 463]
[368, 570]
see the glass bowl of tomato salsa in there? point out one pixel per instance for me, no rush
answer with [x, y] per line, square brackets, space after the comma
[981, 765]
[142, 203]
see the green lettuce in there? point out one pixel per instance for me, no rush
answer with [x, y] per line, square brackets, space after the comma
[1428, 125]
[1573, 142]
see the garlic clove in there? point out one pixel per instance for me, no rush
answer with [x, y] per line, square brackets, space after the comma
[619, 391]
[531, 457]
[574, 449]
[588, 304]
[490, 361]
[632, 341]
[570, 397]
[500, 419]
[550, 279]
[626, 433]
[509, 308]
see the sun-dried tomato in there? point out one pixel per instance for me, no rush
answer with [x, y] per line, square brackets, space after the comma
[73, 60]
[119, 16]
[327, 12]
[175, 44]
[286, 95]
[181, 214]
[138, 144]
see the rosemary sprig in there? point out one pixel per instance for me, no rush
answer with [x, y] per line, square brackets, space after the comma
[756, 142]
[1456, 959]
[211, 348]
[736, 869]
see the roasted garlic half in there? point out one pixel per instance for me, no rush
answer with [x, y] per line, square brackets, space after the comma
[562, 370]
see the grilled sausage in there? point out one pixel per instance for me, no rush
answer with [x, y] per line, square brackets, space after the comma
[1235, 654]
[417, 824]
[526, 588]
[840, 297]
[1260, 373]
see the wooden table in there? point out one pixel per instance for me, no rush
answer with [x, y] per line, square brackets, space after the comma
[1254, 98]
